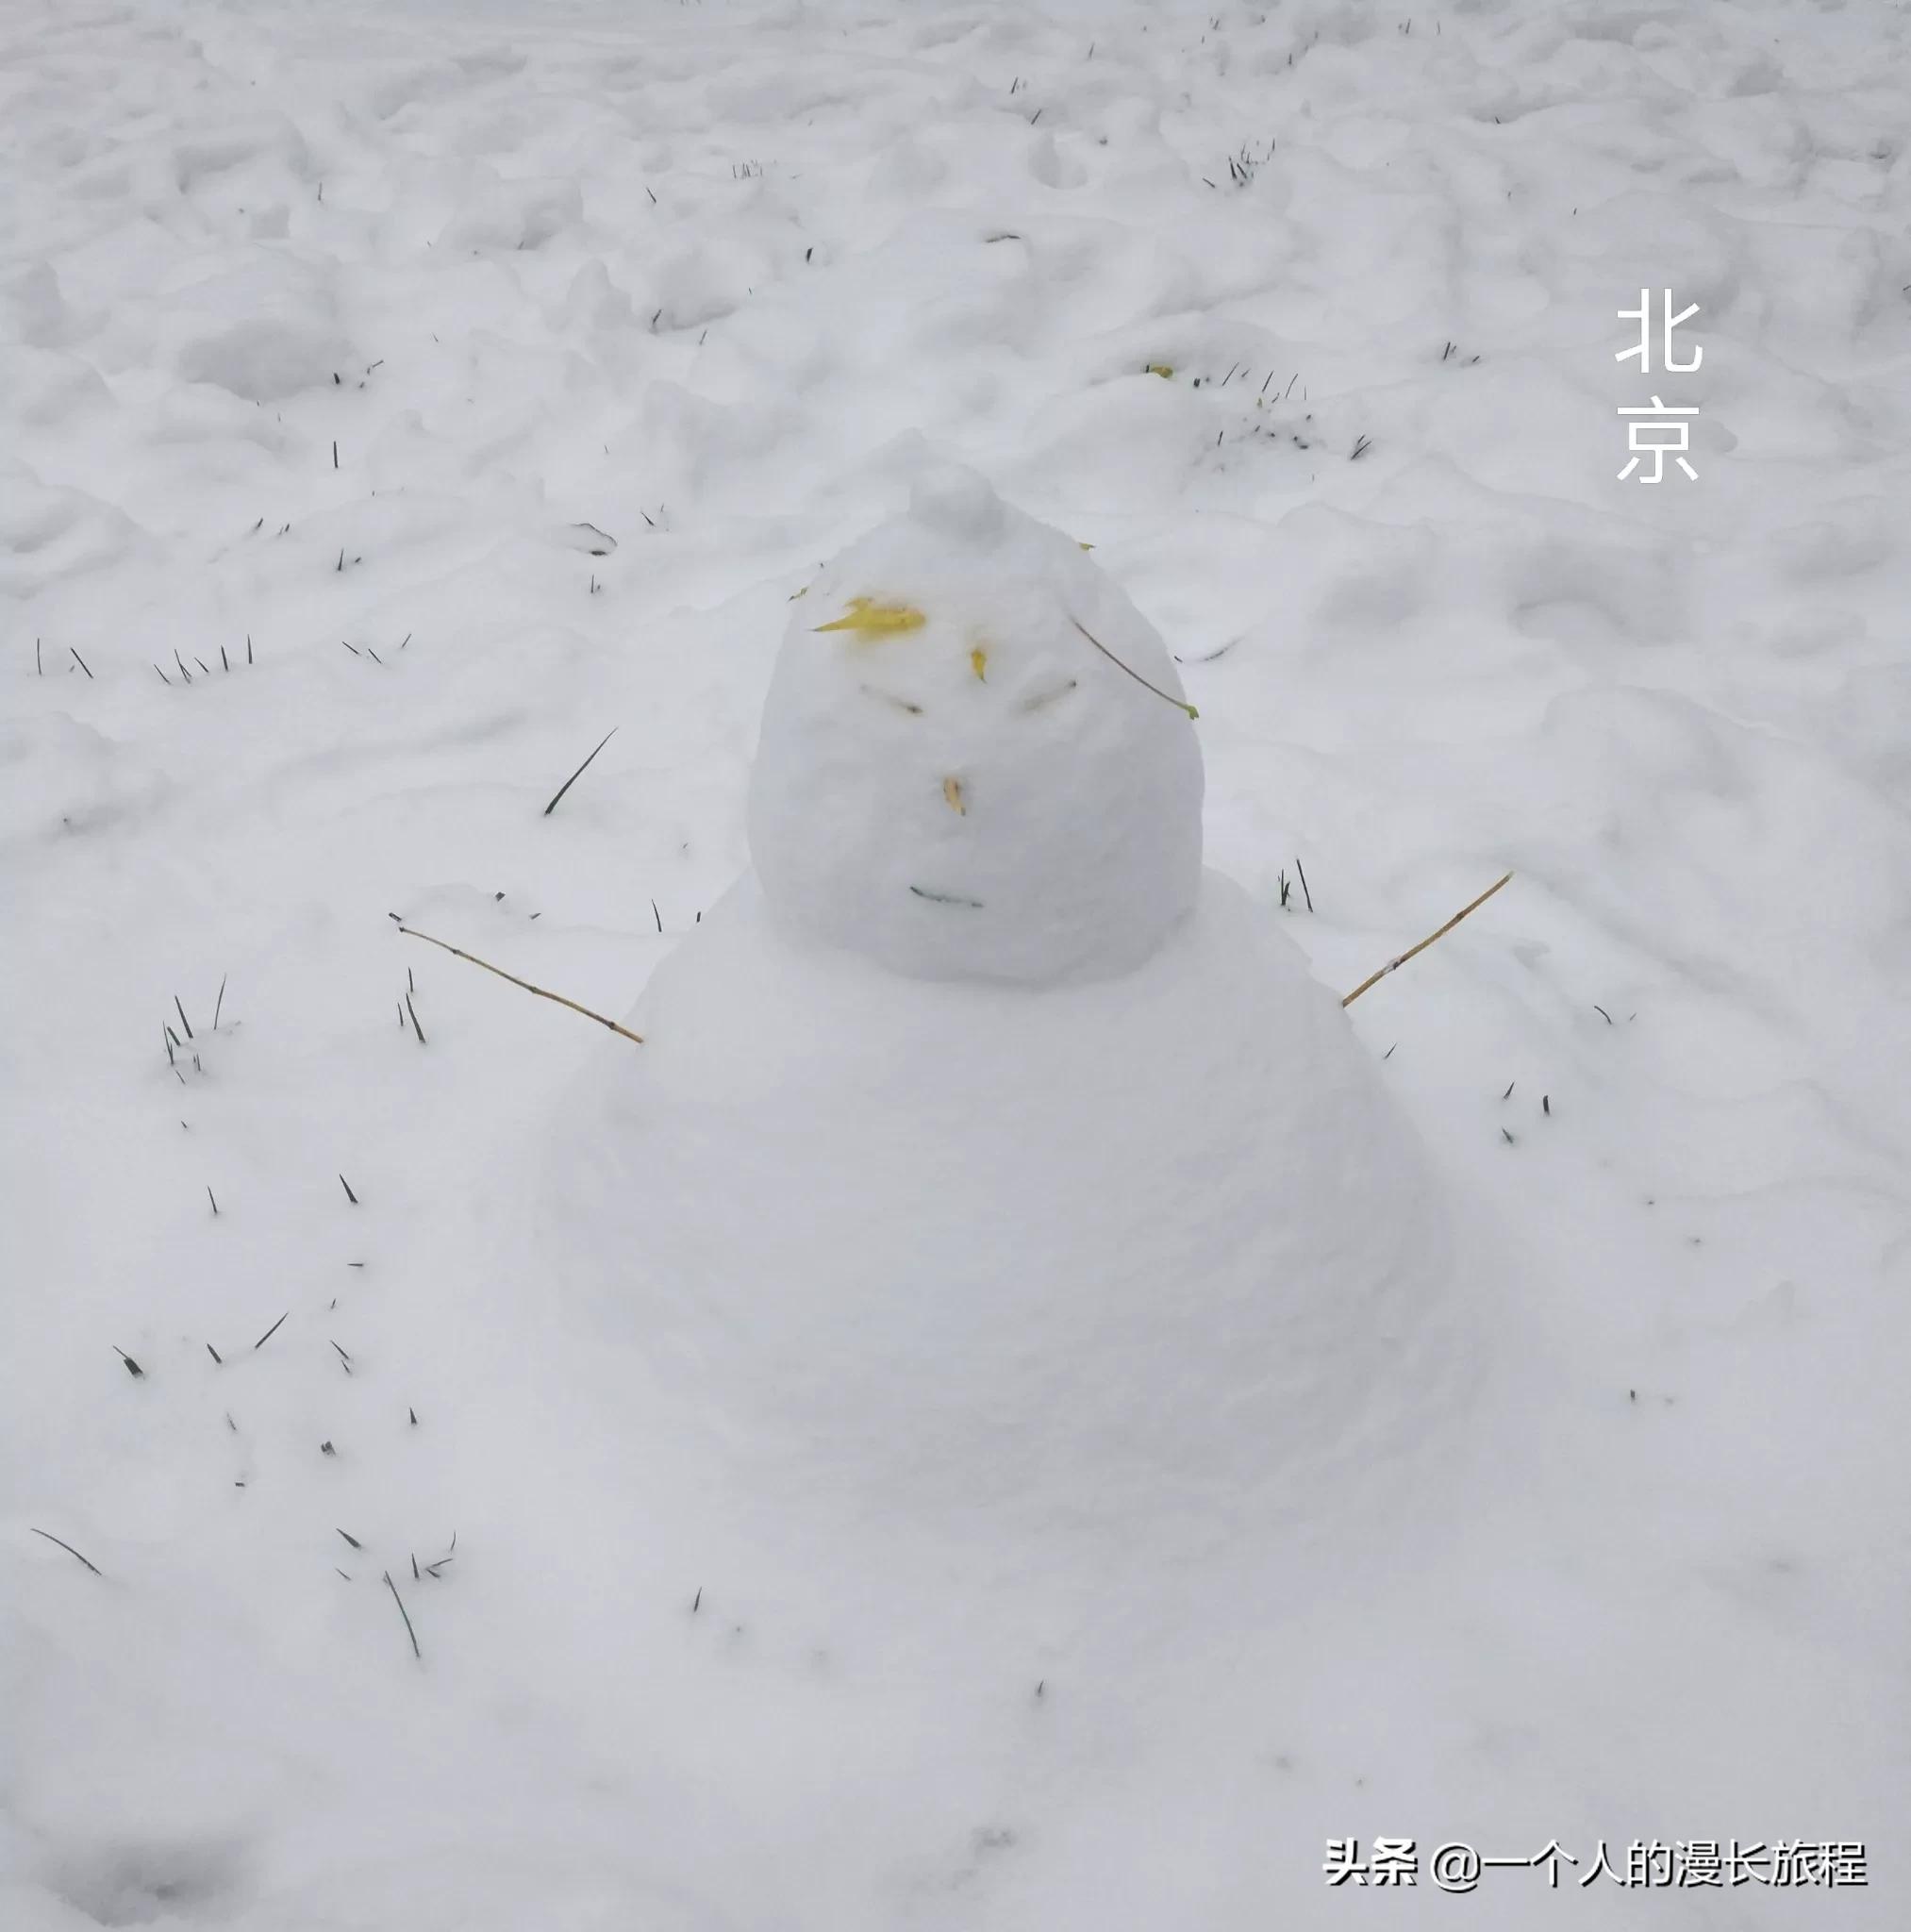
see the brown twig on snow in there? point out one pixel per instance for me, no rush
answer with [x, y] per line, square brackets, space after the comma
[1179, 704]
[1373, 979]
[542, 992]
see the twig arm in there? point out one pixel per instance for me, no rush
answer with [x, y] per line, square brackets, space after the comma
[1393, 965]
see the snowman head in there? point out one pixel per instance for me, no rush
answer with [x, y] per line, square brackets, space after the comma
[975, 760]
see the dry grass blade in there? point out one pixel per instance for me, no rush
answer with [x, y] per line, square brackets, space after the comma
[69, 1549]
[1179, 704]
[405, 1613]
[542, 992]
[579, 771]
[1392, 965]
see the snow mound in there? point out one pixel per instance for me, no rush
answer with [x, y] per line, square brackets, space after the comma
[513, 214]
[963, 769]
[1145, 1255]
[266, 331]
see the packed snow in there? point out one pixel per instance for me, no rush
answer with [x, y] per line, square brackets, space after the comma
[985, 763]
[1009, 1406]
[1049, 1268]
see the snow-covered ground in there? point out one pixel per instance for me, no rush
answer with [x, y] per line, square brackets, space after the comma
[335, 344]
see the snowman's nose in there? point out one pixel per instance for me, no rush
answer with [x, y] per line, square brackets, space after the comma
[952, 797]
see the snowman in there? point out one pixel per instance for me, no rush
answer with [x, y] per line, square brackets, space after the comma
[990, 1166]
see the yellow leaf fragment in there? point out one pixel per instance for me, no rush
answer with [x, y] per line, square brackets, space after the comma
[866, 618]
[1164, 369]
[978, 662]
[951, 793]
[1080, 545]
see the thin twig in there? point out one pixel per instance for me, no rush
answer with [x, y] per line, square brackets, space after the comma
[1179, 704]
[946, 898]
[1392, 965]
[542, 992]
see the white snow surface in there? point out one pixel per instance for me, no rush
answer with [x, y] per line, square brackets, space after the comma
[1136, 1265]
[992, 770]
[1609, 1542]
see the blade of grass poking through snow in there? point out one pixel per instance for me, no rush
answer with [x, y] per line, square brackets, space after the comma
[1109, 654]
[1392, 965]
[406, 1614]
[579, 771]
[69, 1549]
[542, 992]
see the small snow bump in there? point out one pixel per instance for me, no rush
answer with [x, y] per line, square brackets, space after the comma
[958, 502]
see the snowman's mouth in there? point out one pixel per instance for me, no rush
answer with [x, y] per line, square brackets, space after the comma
[946, 898]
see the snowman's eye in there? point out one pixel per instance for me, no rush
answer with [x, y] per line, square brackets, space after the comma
[888, 697]
[1047, 697]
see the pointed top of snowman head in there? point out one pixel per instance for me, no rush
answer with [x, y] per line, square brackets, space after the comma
[976, 760]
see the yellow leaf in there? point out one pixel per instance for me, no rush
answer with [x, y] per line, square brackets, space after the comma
[1080, 545]
[952, 792]
[868, 619]
[1163, 370]
[978, 661]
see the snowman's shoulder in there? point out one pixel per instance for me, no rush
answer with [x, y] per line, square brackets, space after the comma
[1229, 922]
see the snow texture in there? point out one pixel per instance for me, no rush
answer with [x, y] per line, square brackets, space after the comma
[1577, 1320]
[1035, 1269]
